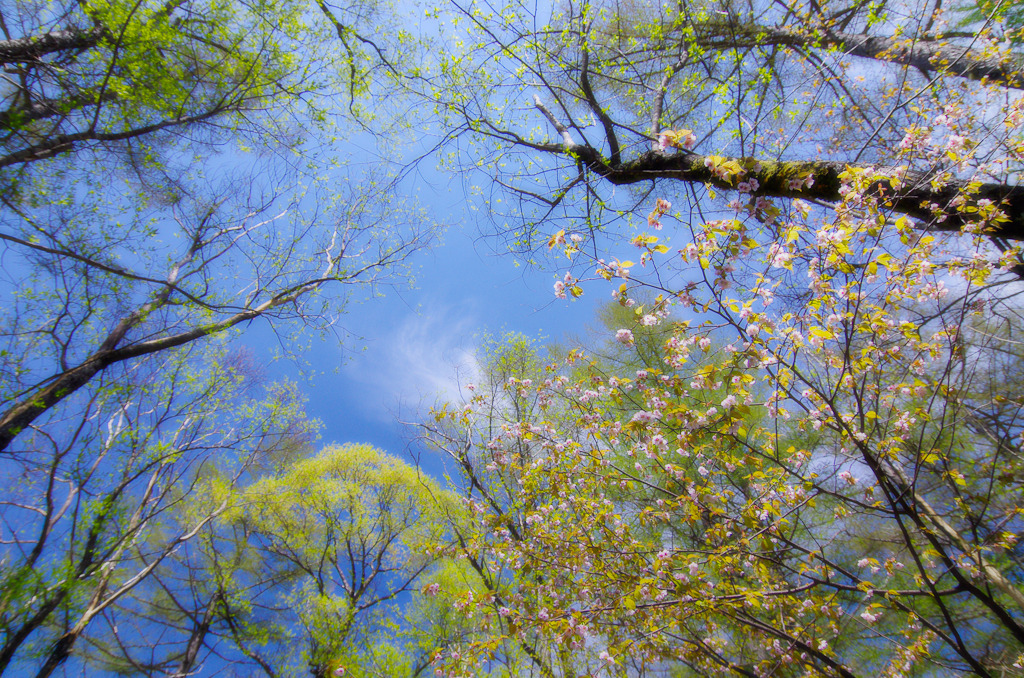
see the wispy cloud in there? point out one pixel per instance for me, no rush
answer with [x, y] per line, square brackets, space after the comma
[427, 357]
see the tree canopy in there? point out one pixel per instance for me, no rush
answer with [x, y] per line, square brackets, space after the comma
[165, 181]
[792, 446]
[761, 99]
[813, 472]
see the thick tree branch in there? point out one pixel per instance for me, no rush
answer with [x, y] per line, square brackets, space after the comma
[935, 55]
[42, 109]
[905, 191]
[928, 53]
[595, 106]
[64, 143]
[23, 413]
[31, 48]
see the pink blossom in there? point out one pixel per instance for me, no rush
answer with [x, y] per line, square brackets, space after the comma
[916, 139]
[956, 143]
[904, 422]
[778, 257]
[681, 138]
[660, 209]
[643, 417]
[624, 337]
[748, 186]
[431, 589]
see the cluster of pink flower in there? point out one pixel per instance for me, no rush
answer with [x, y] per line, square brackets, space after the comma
[568, 282]
[779, 256]
[682, 139]
[801, 183]
[917, 139]
[718, 167]
[748, 186]
[661, 208]
[613, 269]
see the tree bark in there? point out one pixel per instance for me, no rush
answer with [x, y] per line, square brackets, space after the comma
[31, 48]
[21, 415]
[41, 109]
[904, 191]
[928, 53]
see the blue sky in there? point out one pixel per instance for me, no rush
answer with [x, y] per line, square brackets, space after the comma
[416, 344]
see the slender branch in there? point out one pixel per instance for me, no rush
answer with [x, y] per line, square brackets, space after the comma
[562, 129]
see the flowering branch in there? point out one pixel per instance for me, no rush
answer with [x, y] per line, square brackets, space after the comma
[939, 206]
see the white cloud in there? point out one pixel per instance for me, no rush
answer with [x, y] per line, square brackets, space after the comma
[425, 358]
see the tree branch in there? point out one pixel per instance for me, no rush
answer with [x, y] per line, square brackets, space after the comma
[926, 53]
[33, 47]
[904, 191]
